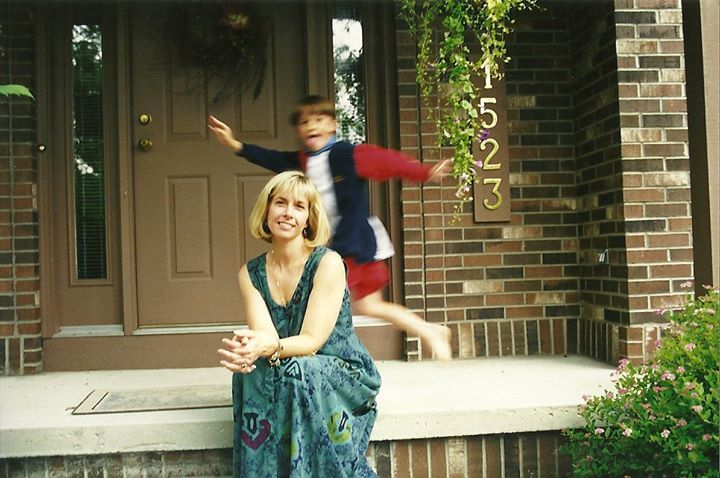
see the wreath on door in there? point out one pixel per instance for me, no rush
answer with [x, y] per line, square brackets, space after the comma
[228, 41]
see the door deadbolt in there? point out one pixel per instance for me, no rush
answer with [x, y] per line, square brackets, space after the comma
[145, 118]
[145, 144]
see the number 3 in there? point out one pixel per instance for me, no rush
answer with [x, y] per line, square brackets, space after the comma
[495, 191]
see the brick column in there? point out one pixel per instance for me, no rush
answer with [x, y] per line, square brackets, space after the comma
[654, 159]
[20, 345]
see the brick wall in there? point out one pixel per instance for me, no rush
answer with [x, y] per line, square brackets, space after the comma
[20, 345]
[527, 455]
[600, 230]
[598, 167]
[639, 184]
[517, 280]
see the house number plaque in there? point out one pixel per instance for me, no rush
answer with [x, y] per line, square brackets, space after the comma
[491, 195]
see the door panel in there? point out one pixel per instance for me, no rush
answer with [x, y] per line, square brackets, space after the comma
[192, 196]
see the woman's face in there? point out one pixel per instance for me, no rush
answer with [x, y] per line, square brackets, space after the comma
[288, 214]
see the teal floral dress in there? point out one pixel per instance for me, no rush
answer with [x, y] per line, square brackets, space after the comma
[311, 416]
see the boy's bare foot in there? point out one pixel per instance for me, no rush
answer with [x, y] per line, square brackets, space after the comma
[438, 338]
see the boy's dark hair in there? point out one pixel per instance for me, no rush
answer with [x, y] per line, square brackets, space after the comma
[312, 105]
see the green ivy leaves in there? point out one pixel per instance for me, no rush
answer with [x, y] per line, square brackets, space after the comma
[448, 69]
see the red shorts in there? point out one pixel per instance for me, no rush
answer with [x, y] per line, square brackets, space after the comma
[364, 279]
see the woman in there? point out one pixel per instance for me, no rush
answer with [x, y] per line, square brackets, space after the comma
[304, 388]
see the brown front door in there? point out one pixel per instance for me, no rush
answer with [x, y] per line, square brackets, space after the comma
[192, 196]
[176, 201]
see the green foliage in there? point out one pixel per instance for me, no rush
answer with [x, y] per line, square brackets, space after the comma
[662, 418]
[349, 86]
[448, 68]
[18, 90]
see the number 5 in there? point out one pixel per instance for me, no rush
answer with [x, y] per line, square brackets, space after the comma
[489, 111]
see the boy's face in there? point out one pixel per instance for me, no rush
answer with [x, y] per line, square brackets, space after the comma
[315, 130]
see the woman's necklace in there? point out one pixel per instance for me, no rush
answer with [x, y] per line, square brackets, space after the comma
[292, 274]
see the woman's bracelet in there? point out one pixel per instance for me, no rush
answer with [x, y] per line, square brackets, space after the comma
[274, 359]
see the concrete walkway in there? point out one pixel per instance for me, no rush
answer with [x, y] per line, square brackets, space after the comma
[417, 400]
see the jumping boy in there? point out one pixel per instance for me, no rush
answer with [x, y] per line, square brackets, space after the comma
[340, 171]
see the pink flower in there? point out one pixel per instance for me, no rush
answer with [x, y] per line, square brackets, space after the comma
[622, 364]
[689, 347]
[694, 395]
[622, 391]
[681, 369]
[627, 432]
[682, 422]
[690, 446]
[479, 164]
[689, 385]
[599, 431]
[667, 376]
[686, 284]
[646, 406]
[665, 433]
[706, 437]
[697, 408]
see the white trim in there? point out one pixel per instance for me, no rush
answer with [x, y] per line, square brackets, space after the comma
[89, 331]
[189, 329]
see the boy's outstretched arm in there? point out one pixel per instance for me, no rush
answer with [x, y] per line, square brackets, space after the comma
[276, 161]
[374, 162]
[224, 134]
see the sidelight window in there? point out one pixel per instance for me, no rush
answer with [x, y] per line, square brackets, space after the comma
[349, 71]
[88, 176]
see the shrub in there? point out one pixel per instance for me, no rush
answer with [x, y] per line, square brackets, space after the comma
[661, 419]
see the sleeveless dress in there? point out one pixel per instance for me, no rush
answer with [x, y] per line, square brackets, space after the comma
[311, 416]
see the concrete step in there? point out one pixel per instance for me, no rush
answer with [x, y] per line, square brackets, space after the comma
[418, 400]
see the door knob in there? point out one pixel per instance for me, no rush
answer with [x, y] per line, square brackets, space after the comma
[144, 118]
[145, 144]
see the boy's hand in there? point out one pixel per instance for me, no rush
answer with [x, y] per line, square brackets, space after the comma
[439, 171]
[224, 134]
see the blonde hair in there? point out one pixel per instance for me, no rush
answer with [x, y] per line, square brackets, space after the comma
[312, 105]
[318, 226]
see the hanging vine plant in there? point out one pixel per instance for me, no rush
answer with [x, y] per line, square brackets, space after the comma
[448, 71]
[227, 40]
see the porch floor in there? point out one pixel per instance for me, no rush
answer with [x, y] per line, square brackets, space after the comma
[417, 400]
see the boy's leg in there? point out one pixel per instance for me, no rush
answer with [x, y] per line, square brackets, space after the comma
[436, 336]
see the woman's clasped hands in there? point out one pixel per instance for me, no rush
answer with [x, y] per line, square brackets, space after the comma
[240, 353]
